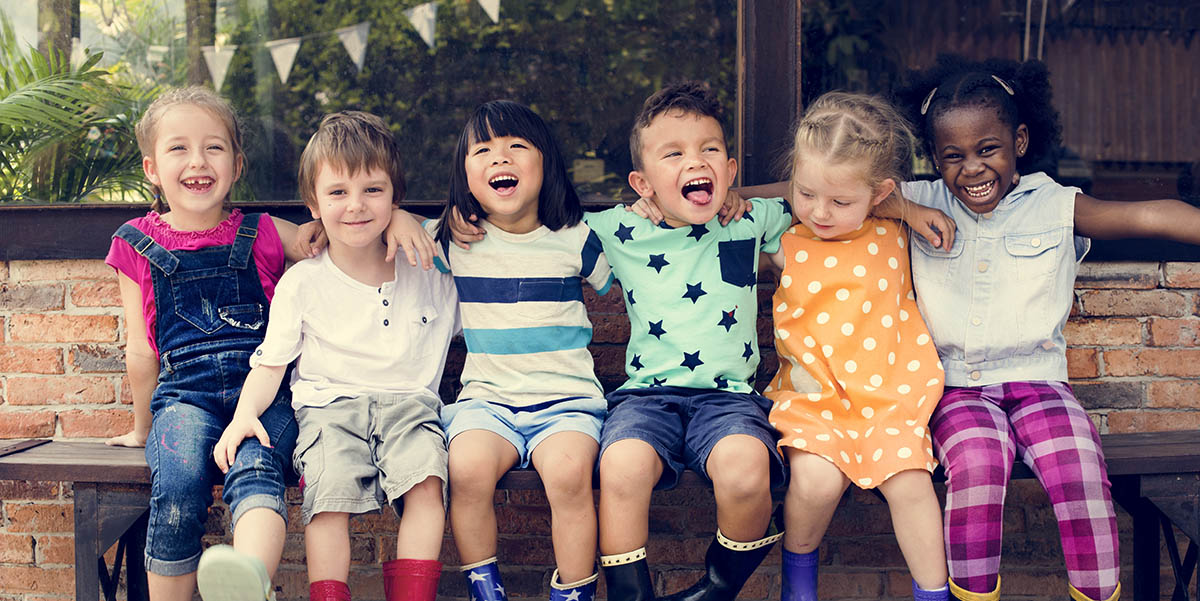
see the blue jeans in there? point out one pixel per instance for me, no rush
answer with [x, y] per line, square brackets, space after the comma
[192, 404]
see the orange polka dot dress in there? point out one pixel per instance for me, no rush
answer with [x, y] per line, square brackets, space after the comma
[858, 374]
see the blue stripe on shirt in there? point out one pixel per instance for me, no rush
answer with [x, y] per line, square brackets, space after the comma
[520, 341]
[591, 252]
[513, 290]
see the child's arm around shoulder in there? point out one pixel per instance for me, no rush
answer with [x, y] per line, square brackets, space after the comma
[1167, 218]
[300, 241]
[141, 363]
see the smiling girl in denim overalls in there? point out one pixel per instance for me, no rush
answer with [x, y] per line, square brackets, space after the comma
[195, 280]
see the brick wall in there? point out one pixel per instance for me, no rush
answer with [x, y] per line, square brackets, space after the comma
[1134, 361]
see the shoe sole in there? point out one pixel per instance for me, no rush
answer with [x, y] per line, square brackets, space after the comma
[225, 575]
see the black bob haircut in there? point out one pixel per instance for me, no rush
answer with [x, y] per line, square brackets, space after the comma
[960, 82]
[558, 203]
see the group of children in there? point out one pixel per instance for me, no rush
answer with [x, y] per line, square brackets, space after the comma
[896, 351]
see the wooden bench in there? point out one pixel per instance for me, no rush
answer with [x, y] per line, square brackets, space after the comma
[1155, 477]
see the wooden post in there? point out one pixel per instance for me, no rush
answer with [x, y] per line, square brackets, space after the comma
[201, 31]
[57, 23]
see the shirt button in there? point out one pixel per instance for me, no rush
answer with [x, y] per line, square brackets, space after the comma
[258, 352]
[976, 321]
[385, 303]
[1036, 242]
[982, 267]
[424, 319]
[385, 322]
[975, 375]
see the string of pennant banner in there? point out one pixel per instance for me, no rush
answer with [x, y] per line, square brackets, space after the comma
[423, 18]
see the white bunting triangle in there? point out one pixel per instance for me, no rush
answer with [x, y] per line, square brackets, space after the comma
[155, 54]
[283, 52]
[218, 62]
[354, 38]
[492, 8]
[424, 19]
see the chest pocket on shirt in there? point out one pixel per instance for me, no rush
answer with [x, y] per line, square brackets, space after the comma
[934, 264]
[201, 295]
[1032, 253]
[737, 262]
[423, 321]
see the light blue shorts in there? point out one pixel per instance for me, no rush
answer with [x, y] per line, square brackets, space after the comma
[525, 428]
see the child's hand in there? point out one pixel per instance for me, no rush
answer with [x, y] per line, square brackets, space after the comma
[241, 428]
[405, 232]
[310, 239]
[462, 232]
[129, 439]
[735, 206]
[646, 208]
[932, 225]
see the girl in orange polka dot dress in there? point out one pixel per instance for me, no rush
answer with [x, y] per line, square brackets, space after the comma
[858, 376]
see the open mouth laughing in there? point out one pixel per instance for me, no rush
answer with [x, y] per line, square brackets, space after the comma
[198, 184]
[980, 190]
[699, 190]
[504, 183]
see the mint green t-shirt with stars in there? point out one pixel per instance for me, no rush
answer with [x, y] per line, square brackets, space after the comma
[691, 294]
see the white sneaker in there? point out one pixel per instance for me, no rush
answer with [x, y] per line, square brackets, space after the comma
[226, 574]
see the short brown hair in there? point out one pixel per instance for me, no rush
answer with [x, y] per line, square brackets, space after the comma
[146, 129]
[688, 97]
[351, 140]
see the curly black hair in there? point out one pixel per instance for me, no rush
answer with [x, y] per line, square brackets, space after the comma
[960, 82]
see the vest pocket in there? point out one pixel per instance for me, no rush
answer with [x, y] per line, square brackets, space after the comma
[247, 317]
[1031, 252]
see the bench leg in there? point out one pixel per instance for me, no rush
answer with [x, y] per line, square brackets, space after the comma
[87, 541]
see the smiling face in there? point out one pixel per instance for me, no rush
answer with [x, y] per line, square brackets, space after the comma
[834, 199]
[354, 208]
[685, 167]
[194, 164]
[505, 175]
[976, 153]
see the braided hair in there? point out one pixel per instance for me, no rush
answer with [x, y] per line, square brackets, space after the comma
[848, 127]
[1019, 93]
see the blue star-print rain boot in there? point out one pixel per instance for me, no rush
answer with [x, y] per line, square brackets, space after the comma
[583, 590]
[483, 581]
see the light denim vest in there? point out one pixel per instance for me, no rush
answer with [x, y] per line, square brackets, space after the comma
[996, 302]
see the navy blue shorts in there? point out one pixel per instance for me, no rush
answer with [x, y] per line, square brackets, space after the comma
[684, 424]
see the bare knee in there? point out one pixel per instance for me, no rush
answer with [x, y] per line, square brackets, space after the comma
[567, 477]
[739, 467]
[629, 468]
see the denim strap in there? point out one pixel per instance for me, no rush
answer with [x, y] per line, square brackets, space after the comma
[243, 243]
[146, 246]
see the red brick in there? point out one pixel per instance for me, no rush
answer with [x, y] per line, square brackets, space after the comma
[63, 328]
[27, 297]
[1152, 421]
[1182, 275]
[96, 358]
[29, 490]
[33, 424]
[40, 517]
[613, 302]
[1104, 303]
[31, 579]
[87, 269]
[18, 358]
[1118, 275]
[79, 423]
[1103, 332]
[1082, 363]
[126, 395]
[105, 293]
[1152, 362]
[1181, 394]
[850, 585]
[3, 270]
[56, 550]
[60, 390]
[610, 328]
[1174, 332]
[16, 548]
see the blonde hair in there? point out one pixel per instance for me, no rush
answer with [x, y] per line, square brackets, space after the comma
[843, 127]
[147, 127]
[351, 140]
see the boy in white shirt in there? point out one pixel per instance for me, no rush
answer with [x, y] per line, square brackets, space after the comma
[371, 338]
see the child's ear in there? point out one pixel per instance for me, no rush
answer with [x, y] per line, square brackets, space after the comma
[1021, 139]
[314, 210]
[640, 184]
[883, 190]
[238, 163]
[732, 165]
[149, 168]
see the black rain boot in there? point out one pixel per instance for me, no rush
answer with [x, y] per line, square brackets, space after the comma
[729, 564]
[627, 576]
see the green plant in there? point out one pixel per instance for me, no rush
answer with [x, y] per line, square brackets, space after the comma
[66, 133]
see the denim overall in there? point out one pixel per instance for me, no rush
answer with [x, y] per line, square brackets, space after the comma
[211, 315]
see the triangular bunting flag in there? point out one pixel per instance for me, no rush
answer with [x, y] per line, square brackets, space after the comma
[155, 54]
[424, 20]
[218, 62]
[354, 38]
[492, 8]
[283, 52]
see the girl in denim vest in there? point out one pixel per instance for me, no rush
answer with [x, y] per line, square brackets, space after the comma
[195, 279]
[996, 302]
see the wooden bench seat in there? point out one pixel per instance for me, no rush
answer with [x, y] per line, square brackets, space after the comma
[1155, 477]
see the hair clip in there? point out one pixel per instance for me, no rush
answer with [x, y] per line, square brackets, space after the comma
[1004, 84]
[928, 99]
